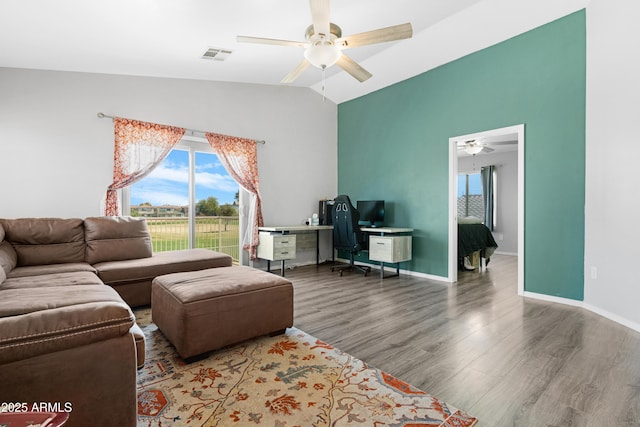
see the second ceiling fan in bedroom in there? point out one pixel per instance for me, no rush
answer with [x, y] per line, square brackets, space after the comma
[324, 43]
[487, 145]
[473, 147]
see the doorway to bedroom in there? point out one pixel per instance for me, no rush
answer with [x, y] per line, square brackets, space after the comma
[502, 192]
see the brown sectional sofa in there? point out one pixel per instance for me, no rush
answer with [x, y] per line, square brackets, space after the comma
[66, 339]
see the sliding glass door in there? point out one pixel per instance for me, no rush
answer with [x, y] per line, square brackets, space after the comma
[189, 201]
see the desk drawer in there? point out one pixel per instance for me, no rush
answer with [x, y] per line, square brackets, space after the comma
[277, 247]
[287, 241]
[283, 253]
[390, 248]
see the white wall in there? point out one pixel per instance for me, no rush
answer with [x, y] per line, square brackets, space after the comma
[56, 156]
[506, 164]
[612, 286]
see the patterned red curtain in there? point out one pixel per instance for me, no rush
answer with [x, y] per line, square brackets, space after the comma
[139, 148]
[240, 159]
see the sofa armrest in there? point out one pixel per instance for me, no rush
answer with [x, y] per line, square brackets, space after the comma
[8, 259]
[45, 320]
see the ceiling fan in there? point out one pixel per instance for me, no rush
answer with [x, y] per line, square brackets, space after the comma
[324, 43]
[474, 146]
[484, 145]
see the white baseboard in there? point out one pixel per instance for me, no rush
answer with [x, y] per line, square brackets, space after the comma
[604, 313]
[291, 264]
[391, 269]
[422, 275]
[550, 298]
[618, 319]
[542, 297]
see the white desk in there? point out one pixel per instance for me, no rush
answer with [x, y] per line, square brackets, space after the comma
[389, 244]
[288, 229]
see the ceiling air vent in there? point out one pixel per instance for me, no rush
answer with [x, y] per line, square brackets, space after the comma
[216, 53]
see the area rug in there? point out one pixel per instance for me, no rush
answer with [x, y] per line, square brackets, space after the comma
[283, 381]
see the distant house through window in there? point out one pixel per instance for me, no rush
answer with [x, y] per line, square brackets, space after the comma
[470, 201]
[189, 200]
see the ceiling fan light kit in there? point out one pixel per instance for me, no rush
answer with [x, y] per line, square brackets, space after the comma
[322, 55]
[325, 43]
[322, 52]
[473, 148]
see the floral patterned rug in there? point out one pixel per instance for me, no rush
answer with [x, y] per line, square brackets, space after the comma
[283, 381]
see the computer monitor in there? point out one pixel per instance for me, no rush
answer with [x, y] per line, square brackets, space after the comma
[371, 213]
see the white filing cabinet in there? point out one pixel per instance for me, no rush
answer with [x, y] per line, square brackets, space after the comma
[392, 249]
[276, 247]
[389, 244]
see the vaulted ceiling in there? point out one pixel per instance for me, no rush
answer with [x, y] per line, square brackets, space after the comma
[167, 38]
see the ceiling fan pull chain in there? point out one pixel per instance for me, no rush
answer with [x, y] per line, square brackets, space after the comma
[323, 96]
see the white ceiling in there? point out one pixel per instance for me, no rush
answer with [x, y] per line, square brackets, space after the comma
[166, 38]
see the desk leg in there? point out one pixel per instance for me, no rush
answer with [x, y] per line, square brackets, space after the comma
[396, 274]
[317, 247]
[269, 267]
[333, 251]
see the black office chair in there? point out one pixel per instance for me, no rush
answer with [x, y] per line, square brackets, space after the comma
[347, 235]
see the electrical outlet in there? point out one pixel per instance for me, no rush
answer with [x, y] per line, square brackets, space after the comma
[594, 272]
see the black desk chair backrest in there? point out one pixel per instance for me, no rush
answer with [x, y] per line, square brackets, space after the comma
[347, 235]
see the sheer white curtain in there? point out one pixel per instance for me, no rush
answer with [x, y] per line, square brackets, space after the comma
[138, 148]
[240, 159]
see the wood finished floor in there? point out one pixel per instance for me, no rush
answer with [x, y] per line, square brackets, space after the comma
[477, 345]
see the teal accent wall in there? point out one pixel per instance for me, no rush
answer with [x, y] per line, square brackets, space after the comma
[393, 145]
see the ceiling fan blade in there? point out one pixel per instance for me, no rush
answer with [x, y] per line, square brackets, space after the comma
[260, 40]
[353, 68]
[396, 32]
[486, 149]
[295, 73]
[320, 16]
[504, 143]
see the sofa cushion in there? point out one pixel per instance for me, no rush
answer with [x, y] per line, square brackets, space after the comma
[36, 270]
[119, 272]
[52, 280]
[116, 239]
[40, 241]
[45, 320]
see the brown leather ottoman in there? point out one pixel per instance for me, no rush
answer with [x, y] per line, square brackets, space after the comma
[200, 311]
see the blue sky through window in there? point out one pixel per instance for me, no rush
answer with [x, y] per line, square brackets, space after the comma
[168, 184]
[475, 184]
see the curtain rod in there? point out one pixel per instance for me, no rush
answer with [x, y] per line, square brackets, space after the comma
[102, 116]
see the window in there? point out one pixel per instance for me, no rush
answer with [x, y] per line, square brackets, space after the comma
[470, 201]
[189, 200]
